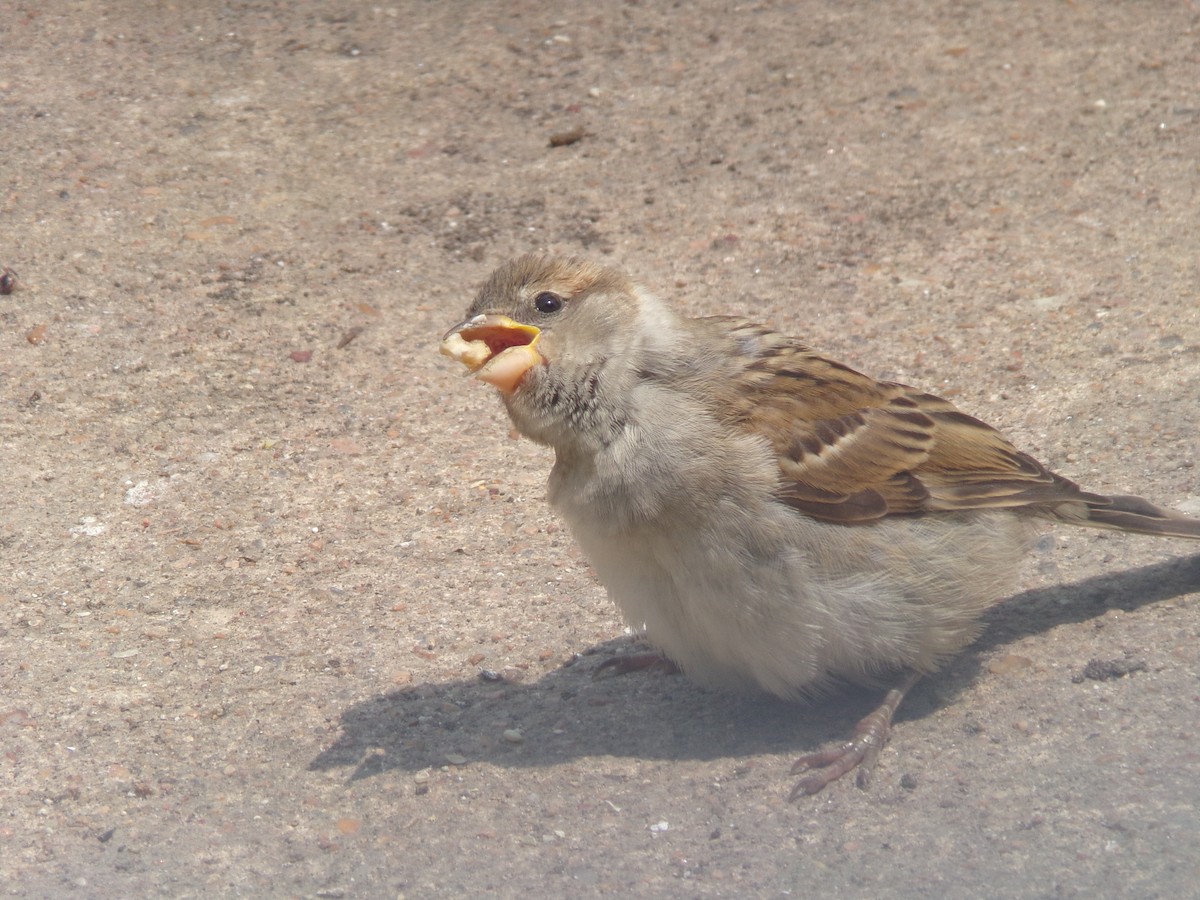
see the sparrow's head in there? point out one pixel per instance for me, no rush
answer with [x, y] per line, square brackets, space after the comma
[550, 333]
[539, 311]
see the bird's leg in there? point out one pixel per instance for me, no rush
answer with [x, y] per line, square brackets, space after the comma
[860, 751]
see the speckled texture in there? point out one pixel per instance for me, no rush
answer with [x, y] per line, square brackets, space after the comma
[258, 539]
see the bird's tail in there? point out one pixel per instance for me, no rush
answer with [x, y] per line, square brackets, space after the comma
[1124, 513]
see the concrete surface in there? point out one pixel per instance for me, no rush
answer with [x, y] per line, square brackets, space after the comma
[259, 541]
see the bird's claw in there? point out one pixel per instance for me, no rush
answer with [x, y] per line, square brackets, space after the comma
[861, 752]
[635, 662]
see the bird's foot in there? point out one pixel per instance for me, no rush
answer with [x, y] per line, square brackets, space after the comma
[860, 752]
[635, 662]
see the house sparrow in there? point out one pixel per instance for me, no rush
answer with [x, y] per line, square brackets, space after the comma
[771, 518]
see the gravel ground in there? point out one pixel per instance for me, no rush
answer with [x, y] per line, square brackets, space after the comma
[283, 611]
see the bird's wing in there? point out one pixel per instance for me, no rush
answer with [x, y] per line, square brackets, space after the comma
[852, 449]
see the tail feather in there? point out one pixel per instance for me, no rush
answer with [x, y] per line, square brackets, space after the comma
[1125, 513]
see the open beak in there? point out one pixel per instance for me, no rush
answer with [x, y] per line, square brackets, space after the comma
[495, 348]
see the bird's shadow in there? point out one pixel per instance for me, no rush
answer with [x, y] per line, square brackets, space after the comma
[567, 714]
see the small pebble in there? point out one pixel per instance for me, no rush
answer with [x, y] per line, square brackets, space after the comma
[1009, 663]
[514, 736]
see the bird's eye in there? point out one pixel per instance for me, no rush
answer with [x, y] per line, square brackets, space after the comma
[547, 303]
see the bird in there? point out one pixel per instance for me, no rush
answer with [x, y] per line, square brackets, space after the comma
[771, 519]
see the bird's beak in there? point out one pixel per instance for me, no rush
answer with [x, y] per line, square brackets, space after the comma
[496, 349]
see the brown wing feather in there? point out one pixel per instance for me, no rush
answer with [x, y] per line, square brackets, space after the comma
[852, 449]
